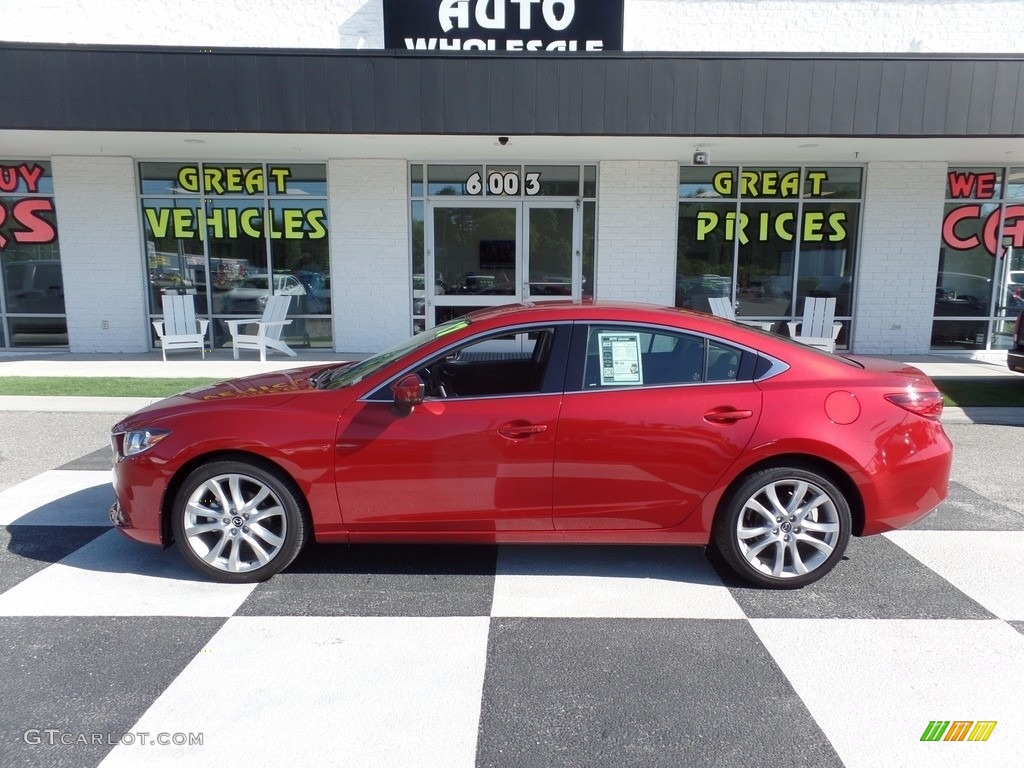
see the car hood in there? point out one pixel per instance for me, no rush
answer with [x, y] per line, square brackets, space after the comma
[263, 390]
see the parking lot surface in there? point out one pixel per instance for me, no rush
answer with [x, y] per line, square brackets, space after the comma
[500, 656]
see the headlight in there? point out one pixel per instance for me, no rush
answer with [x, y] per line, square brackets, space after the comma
[138, 441]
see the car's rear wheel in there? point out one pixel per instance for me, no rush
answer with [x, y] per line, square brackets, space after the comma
[783, 527]
[238, 522]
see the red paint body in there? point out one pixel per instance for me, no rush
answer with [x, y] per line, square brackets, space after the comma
[644, 464]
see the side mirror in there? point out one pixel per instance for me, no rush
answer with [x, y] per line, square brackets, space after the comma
[409, 391]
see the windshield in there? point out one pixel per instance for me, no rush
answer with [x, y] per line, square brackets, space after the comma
[353, 374]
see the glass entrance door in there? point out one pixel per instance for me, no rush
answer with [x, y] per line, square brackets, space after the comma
[484, 254]
[552, 249]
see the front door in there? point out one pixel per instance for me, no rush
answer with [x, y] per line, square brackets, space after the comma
[484, 254]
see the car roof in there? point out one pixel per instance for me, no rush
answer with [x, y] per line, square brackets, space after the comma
[586, 310]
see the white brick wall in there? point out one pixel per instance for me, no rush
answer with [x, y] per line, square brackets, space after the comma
[885, 26]
[638, 212]
[100, 252]
[370, 268]
[899, 255]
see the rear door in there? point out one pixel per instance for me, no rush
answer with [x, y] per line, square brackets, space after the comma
[651, 419]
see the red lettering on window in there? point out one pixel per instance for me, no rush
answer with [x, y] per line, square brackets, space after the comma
[980, 185]
[10, 174]
[1013, 227]
[949, 224]
[36, 229]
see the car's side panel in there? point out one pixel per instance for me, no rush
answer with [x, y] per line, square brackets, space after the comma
[456, 465]
[301, 445]
[645, 457]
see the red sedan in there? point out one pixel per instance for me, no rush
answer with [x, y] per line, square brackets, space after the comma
[562, 423]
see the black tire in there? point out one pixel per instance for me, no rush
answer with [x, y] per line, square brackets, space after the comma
[783, 527]
[260, 533]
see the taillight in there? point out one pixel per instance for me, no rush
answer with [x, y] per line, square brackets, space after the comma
[1017, 337]
[927, 404]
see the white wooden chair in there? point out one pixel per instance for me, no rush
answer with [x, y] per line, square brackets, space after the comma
[268, 329]
[819, 328]
[721, 306]
[179, 329]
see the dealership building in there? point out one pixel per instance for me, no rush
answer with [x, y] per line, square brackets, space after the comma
[390, 164]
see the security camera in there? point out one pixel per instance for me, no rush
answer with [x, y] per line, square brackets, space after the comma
[701, 158]
[503, 140]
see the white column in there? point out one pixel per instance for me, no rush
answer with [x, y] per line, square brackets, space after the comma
[101, 254]
[370, 256]
[899, 257]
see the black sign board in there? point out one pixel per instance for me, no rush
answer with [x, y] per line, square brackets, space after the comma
[503, 25]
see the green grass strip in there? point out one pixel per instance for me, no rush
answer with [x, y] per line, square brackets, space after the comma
[89, 386]
[1003, 392]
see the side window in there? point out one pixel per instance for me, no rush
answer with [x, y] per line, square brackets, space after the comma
[723, 362]
[512, 364]
[632, 356]
[626, 356]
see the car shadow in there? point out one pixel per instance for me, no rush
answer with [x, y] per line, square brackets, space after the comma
[669, 563]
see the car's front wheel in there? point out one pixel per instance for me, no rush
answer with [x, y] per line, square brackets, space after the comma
[238, 522]
[783, 527]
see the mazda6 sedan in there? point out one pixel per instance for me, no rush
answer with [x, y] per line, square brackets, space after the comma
[561, 423]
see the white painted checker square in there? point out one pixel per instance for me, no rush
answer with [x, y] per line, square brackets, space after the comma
[325, 691]
[115, 576]
[610, 582]
[873, 686]
[987, 566]
[59, 497]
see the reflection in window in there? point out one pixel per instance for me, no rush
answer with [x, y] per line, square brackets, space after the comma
[475, 251]
[233, 234]
[979, 286]
[767, 238]
[31, 278]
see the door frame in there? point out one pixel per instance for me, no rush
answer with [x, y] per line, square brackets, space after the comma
[521, 283]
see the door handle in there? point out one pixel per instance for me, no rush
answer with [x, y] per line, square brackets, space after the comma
[727, 415]
[519, 431]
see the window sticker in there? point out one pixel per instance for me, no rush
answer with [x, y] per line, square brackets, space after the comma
[620, 358]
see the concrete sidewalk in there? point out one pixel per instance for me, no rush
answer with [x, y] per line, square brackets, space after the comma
[220, 365]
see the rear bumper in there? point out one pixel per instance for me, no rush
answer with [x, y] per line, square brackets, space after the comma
[1015, 360]
[909, 476]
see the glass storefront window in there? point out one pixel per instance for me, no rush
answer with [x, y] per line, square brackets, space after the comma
[556, 180]
[31, 280]
[451, 179]
[979, 285]
[767, 238]
[232, 234]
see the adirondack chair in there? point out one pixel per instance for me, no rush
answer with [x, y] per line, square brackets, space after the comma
[721, 306]
[818, 328]
[268, 329]
[179, 329]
